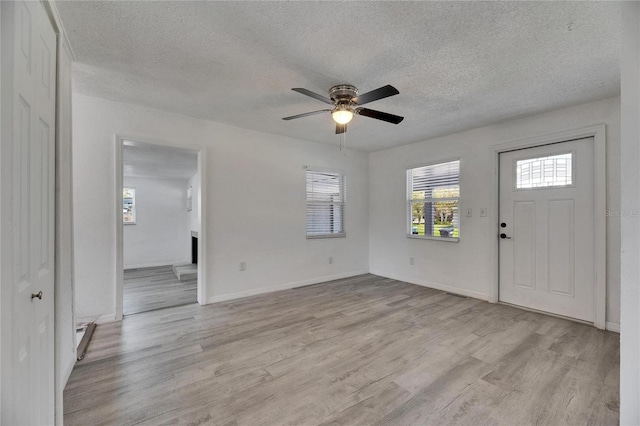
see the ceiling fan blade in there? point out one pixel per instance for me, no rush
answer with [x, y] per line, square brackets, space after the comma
[379, 115]
[341, 128]
[374, 95]
[306, 114]
[313, 95]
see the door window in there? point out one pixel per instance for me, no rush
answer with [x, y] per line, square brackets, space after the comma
[544, 172]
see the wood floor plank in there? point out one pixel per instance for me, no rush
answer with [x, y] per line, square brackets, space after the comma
[148, 289]
[357, 351]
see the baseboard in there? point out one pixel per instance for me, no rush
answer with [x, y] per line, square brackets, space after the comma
[613, 326]
[434, 285]
[156, 264]
[106, 318]
[287, 286]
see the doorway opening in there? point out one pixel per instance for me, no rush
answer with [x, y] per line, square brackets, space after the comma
[160, 210]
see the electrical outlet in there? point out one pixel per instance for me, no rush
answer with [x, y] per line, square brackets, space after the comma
[330, 260]
[243, 266]
[412, 261]
[483, 212]
[469, 213]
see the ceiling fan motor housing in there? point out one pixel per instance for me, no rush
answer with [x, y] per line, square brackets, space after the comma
[343, 93]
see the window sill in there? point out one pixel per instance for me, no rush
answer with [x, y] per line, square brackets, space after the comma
[317, 237]
[427, 237]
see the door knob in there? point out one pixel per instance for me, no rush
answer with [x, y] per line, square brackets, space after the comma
[504, 236]
[36, 295]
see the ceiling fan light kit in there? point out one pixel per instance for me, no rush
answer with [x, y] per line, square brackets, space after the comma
[342, 95]
[342, 115]
[346, 103]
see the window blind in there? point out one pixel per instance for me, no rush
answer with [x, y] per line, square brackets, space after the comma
[437, 176]
[325, 204]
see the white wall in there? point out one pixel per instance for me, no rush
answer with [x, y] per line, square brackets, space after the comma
[266, 230]
[467, 267]
[161, 235]
[194, 214]
[630, 269]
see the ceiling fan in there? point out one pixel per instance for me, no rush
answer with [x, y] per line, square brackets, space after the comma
[346, 102]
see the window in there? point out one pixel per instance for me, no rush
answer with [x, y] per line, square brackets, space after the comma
[544, 172]
[325, 204]
[129, 206]
[433, 196]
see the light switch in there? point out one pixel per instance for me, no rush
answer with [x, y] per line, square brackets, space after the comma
[469, 213]
[483, 212]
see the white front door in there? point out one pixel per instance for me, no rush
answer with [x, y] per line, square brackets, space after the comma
[546, 230]
[31, 194]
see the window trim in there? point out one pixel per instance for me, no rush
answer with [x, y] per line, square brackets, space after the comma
[343, 203]
[409, 204]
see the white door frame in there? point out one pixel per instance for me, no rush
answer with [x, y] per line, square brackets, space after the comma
[598, 132]
[202, 206]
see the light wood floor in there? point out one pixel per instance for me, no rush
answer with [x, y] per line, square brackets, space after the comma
[147, 289]
[358, 351]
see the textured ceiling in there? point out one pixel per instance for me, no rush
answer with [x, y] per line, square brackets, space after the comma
[147, 160]
[457, 65]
